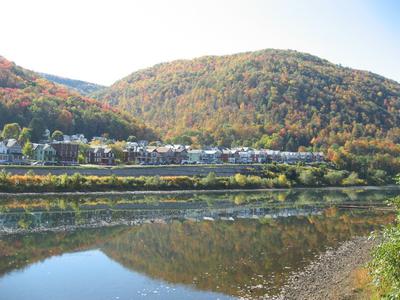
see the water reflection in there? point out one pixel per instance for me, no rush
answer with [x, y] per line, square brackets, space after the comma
[212, 245]
[44, 213]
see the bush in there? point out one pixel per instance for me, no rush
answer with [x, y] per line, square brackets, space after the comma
[334, 177]
[385, 264]
[353, 179]
[307, 178]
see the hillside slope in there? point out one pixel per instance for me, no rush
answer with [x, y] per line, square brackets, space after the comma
[82, 87]
[279, 99]
[32, 101]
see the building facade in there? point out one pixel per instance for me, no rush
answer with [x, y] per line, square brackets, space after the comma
[66, 153]
[44, 153]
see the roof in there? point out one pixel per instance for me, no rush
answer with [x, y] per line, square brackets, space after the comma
[195, 151]
[35, 146]
[48, 147]
[151, 149]
[12, 143]
[180, 150]
[163, 149]
[212, 151]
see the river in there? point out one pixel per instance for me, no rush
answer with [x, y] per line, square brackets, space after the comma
[178, 246]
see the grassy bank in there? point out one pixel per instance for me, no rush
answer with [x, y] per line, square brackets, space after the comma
[268, 177]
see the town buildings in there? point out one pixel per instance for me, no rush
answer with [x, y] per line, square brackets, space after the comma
[101, 155]
[66, 153]
[44, 153]
[10, 151]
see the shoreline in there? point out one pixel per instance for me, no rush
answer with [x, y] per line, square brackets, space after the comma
[203, 191]
[330, 275]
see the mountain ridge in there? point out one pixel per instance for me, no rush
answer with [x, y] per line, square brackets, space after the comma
[83, 87]
[32, 101]
[260, 93]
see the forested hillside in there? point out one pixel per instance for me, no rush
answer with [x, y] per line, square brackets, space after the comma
[301, 98]
[279, 99]
[83, 87]
[32, 101]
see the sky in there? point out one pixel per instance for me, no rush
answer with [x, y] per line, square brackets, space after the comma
[102, 41]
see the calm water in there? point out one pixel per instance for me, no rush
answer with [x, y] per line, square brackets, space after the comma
[203, 246]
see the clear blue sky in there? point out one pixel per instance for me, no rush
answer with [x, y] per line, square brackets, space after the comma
[103, 41]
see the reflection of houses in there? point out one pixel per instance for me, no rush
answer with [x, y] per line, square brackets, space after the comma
[100, 155]
[66, 153]
[44, 153]
[10, 151]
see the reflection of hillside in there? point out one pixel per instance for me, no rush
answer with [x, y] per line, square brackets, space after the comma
[19, 251]
[222, 256]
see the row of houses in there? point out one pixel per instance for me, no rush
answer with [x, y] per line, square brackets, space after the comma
[10, 151]
[67, 153]
[52, 153]
[181, 154]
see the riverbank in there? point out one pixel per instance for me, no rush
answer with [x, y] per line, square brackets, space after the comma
[331, 275]
[270, 177]
[137, 170]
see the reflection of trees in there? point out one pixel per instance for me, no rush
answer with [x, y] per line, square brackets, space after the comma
[19, 251]
[206, 254]
[303, 196]
[231, 254]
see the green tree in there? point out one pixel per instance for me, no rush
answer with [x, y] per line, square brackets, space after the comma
[57, 135]
[25, 135]
[38, 127]
[27, 150]
[11, 131]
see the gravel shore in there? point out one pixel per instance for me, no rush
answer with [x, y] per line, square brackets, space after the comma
[329, 276]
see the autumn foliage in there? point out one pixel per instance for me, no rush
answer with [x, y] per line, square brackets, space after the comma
[32, 101]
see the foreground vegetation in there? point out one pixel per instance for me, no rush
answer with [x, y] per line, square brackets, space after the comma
[385, 266]
[273, 176]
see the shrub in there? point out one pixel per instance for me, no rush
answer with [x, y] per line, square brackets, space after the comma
[307, 177]
[334, 177]
[385, 264]
[240, 180]
[210, 180]
[353, 179]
